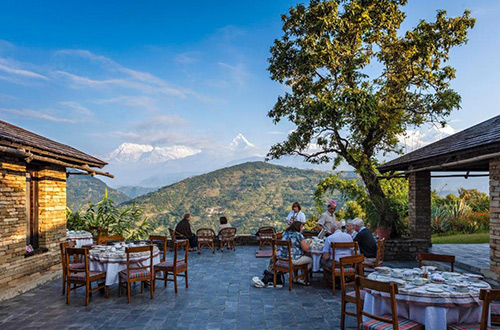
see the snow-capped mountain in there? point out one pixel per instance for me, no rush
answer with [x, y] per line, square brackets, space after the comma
[131, 152]
[240, 142]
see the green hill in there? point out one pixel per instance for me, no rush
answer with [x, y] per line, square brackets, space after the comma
[250, 195]
[82, 188]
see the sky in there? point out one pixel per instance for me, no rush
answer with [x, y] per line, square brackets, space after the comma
[96, 74]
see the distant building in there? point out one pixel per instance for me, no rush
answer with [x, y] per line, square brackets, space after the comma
[33, 205]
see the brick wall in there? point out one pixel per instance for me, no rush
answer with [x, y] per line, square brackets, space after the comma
[495, 216]
[419, 208]
[14, 267]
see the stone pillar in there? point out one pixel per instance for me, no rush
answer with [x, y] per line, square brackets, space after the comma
[495, 216]
[419, 208]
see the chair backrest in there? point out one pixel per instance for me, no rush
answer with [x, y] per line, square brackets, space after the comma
[348, 245]
[133, 264]
[355, 262]
[205, 233]
[63, 246]
[105, 239]
[387, 287]
[181, 244]
[161, 242]
[278, 236]
[279, 245]
[175, 235]
[227, 234]
[266, 231]
[436, 257]
[380, 252]
[81, 254]
[487, 296]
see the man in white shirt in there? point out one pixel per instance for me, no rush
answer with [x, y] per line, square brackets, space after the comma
[327, 219]
[337, 237]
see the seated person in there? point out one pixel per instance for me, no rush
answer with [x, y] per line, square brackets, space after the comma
[366, 241]
[184, 228]
[326, 220]
[223, 224]
[349, 229]
[295, 214]
[299, 246]
[337, 237]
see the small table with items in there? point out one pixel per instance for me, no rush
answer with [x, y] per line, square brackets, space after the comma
[316, 253]
[80, 237]
[444, 298]
[113, 259]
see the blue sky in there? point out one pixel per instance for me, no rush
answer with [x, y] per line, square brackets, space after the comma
[95, 74]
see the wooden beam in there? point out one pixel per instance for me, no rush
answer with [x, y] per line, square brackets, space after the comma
[28, 157]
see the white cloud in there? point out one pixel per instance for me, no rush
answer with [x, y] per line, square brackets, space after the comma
[420, 137]
[77, 107]
[36, 114]
[187, 58]
[12, 68]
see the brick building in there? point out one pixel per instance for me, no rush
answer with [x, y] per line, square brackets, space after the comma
[33, 205]
[476, 149]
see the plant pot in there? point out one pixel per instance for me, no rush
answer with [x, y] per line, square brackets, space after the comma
[384, 232]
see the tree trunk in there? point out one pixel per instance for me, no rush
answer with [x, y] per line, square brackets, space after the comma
[387, 217]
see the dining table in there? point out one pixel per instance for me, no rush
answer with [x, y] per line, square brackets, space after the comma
[440, 299]
[113, 259]
[80, 237]
[316, 251]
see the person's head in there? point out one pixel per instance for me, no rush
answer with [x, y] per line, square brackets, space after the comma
[358, 223]
[349, 226]
[223, 220]
[332, 205]
[342, 224]
[187, 216]
[296, 207]
[295, 226]
[336, 225]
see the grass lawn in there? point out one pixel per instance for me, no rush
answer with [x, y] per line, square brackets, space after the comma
[462, 239]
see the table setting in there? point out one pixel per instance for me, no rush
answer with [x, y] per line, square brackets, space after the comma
[316, 252]
[80, 237]
[428, 296]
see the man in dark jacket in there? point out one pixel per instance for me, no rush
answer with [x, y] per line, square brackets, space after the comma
[184, 228]
[366, 241]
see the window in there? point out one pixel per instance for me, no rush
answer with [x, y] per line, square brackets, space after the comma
[32, 208]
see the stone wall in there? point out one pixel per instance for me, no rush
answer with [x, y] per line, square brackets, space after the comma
[419, 208]
[404, 249]
[495, 217]
[18, 272]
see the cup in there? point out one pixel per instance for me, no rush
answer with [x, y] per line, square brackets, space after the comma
[418, 281]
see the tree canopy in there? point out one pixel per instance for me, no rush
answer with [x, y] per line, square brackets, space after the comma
[357, 81]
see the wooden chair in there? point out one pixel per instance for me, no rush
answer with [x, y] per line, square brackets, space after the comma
[206, 237]
[162, 243]
[175, 267]
[334, 271]
[436, 257]
[266, 235]
[85, 277]
[103, 240]
[349, 265]
[226, 238]
[386, 320]
[285, 265]
[488, 297]
[136, 271]
[278, 236]
[370, 267]
[73, 266]
[495, 312]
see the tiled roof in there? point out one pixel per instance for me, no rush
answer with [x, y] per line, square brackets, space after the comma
[13, 134]
[483, 138]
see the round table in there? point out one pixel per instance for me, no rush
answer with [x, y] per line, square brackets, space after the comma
[434, 305]
[80, 237]
[103, 258]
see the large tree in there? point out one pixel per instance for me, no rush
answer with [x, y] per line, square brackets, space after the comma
[356, 82]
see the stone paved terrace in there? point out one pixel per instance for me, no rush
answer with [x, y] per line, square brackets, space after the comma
[471, 257]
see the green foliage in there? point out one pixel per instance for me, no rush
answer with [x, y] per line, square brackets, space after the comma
[125, 221]
[351, 210]
[476, 238]
[346, 113]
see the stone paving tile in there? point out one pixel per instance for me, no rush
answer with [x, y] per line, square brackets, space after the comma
[473, 257]
[219, 297]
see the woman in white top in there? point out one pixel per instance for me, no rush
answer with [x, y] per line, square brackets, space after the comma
[296, 214]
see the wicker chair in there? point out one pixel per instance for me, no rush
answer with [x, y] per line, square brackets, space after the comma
[386, 321]
[226, 238]
[266, 235]
[83, 278]
[347, 266]
[489, 297]
[103, 240]
[175, 268]
[334, 271]
[285, 264]
[436, 257]
[136, 272]
[206, 237]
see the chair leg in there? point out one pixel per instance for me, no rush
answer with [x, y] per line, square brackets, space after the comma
[128, 291]
[290, 280]
[87, 293]
[333, 284]
[68, 289]
[63, 283]
[342, 314]
[186, 279]
[175, 281]
[106, 289]
[142, 287]
[152, 288]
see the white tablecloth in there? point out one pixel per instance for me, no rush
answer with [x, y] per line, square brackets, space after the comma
[81, 238]
[316, 256]
[118, 262]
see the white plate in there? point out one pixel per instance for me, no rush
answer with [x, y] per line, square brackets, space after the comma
[480, 285]
[434, 290]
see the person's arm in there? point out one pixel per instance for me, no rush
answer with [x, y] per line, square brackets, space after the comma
[302, 217]
[304, 245]
[321, 222]
[326, 250]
